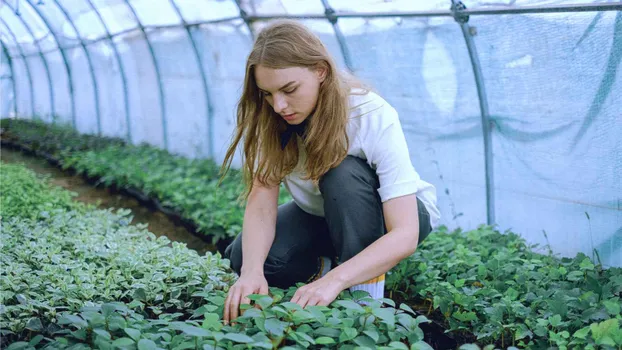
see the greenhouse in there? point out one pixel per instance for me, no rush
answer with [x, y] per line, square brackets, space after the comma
[120, 229]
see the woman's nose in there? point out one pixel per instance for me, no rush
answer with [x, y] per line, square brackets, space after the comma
[279, 103]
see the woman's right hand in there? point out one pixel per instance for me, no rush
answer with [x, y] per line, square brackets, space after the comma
[249, 283]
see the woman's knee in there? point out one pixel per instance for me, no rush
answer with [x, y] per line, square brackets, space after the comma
[351, 177]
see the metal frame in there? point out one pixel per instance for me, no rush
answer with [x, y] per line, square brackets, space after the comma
[121, 69]
[158, 75]
[90, 62]
[329, 12]
[208, 103]
[12, 77]
[459, 13]
[45, 64]
[586, 7]
[28, 73]
[490, 11]
[65, 61]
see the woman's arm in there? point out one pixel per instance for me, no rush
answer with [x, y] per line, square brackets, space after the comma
[258, 227]
[258, 232]
[400, 242]
[379, 257]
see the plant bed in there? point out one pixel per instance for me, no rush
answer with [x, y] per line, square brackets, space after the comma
[496, 287]
[75, 277]
[145, 200]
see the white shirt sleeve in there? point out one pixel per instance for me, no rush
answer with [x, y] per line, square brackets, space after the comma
[384, 145]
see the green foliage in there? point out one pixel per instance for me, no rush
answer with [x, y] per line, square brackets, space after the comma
[88, 279]
[25, 195]
[188, 186]
[500, 289]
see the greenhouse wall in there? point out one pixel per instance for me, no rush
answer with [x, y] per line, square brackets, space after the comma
[552, 83]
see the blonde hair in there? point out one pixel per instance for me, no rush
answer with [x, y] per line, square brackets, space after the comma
[285, 44]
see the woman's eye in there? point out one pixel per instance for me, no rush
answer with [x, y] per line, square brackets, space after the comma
[290, 91]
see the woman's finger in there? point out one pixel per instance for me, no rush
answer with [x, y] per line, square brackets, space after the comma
[234, 306]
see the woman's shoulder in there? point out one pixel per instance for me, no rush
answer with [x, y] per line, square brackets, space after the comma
[369, 108]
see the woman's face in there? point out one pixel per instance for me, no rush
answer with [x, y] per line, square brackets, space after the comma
[292, 92]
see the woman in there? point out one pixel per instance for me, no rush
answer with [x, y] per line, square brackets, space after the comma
[359, 206]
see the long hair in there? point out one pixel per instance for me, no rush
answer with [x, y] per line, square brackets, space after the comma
[285, 44]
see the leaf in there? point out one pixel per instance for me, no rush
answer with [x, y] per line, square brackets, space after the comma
[265, 302]
[582, 333]
[575, 276]
[123, 342]
[36, 340]
[147, 344]
[372, 334]
[103, 333]
[327, 332]
[133, 333]
[275, 326]
[347, 334]
[398, 345]
[194, 331]
[407, 308]
[465, 316]
[350, 305]
[324, 341]
[365, 341]
[386, 314]
[239, 338]
[469, 347]
[108, 309]
[34, 324]
[612, 306]
[555, 321]
[18, 345]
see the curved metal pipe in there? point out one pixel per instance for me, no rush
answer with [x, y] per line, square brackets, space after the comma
[45, 64]
[332, 18]
[157, 71]
[67, 67]
[208, 103]
[10, 62]
[246, 19]
[121, 69]
[90, 62]
[461, 18]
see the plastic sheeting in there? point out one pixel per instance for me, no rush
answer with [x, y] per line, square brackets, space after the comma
[552, 83]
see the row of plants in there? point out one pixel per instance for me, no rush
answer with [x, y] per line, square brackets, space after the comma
[77, 277]
[496, 287]
[483, 286]
[186, 187]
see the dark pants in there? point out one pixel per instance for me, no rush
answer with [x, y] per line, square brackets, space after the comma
[353, 219]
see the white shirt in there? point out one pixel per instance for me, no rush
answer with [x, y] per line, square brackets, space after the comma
[375, 135]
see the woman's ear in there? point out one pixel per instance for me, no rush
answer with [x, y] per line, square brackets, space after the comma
[322, 71]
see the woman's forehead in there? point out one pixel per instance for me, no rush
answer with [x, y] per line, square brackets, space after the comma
[270, 79]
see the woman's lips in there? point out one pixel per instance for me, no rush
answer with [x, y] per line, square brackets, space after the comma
[289, 116]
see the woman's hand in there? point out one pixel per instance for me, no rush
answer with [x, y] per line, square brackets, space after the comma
[321, 292]
[250, 283]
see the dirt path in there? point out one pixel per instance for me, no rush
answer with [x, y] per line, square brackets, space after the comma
[158, 222]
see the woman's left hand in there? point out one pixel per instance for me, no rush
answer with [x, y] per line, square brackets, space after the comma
[321, 292]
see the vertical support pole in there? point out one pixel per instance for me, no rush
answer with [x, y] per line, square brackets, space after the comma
[10, 63]
[45, 63]
[126, 99]
[28, 73]
[462, 19]
[332, 18]
[244, 16]
[91, 69]
[157, 71]
[208, 103]
[67, 67]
